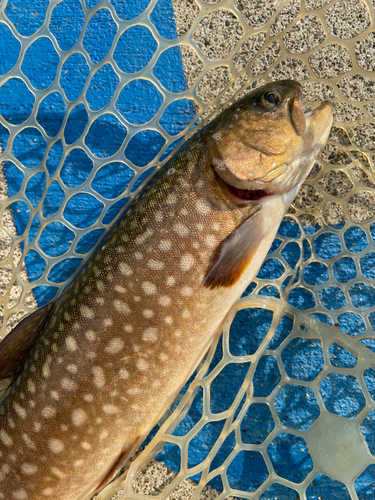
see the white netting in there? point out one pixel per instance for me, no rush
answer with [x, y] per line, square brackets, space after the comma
[300, 422]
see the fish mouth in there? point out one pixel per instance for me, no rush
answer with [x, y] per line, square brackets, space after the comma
[247, 194]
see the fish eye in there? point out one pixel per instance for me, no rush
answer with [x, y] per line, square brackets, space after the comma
[270, 99]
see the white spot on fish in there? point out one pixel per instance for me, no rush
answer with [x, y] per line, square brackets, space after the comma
[171, 171]
[170, 281]
[114, 346]
[171, 199]
[100, 301]
[120, 289]
[138, 255]
[85, 445]
[156, 265]
[168, 320]
[186, 314]
[72, 369]
[31, 386]
[103, 435]
[186, 291]
[181, 229]
[150, 334]
[202, 206]
[107, 322]
[5, 438]
[199, 226]
[165, 245]
[147, 313]
[163, 356]
[28, 469]
[149, 288]
[110, 409]
[78, 463]
[122, 307]
[211, 241]
[100, 285]
[21, 412]
[46, 367]
[5, 468]
[20, 495]
[90, 335]
[186, 262]
[143, 237]
[71, 343]
[123, 374]
[164, 300]
[87, 312]
[57, 472]
[125, 269]
[68, 384]
[55, 395]
[99, 378]
[158, 216]
[128, 328]
[136, 298]
[79, 417]
[48, 412]
[89, 398]
[91, 355]
[47, 492]
[56, 445]
[37, 426]
[142, 365]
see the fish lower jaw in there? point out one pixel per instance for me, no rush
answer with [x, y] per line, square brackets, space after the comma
[238, 194]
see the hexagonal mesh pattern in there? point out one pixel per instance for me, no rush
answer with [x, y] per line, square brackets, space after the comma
[284, 407]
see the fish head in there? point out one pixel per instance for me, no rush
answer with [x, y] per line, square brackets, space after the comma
[266, 144]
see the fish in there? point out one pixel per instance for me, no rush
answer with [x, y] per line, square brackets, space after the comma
[92, 372]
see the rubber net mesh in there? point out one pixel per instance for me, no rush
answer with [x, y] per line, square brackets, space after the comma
[284, 404]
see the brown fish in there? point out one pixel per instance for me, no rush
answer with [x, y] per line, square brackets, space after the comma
[93, 372]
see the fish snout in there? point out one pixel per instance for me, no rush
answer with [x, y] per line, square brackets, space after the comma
[319, 122]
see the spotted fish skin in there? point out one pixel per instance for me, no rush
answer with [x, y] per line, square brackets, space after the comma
[120, 343]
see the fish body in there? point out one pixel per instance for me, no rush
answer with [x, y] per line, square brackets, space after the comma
[111, 354]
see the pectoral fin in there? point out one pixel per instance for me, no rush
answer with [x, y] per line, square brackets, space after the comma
[236, 253]
[19, 341]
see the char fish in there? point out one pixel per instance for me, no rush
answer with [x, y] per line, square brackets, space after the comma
[94, 371]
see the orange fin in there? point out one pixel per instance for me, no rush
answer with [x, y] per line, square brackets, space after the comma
[236, 253]
[19, 341]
